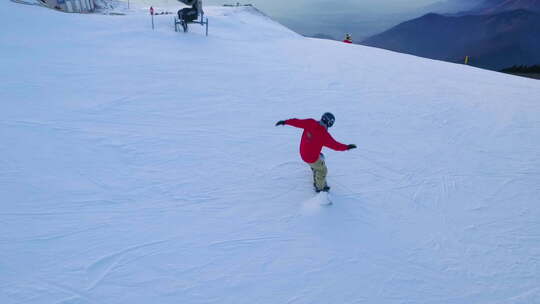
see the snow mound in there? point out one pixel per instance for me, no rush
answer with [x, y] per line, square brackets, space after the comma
[28, 2]
[109, 5]
[142, 166]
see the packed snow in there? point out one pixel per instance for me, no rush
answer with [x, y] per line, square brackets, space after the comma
[142, 166]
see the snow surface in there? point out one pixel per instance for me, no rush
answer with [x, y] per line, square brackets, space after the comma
[142, 166]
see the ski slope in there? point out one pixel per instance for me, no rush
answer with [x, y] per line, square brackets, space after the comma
[142, 166]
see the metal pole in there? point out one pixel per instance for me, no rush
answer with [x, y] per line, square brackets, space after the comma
[152, 14]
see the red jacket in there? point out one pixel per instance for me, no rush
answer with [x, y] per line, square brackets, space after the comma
[314, 138]
[347, 41]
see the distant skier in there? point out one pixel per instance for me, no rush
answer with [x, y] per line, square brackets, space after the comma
[316, 136]
[190, 14]
[348, 39]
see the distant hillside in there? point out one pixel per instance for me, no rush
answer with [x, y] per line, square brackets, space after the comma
[525, 71]
[492, 41]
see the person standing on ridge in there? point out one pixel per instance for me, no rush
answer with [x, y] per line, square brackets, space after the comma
[348, 39]
[316, 136]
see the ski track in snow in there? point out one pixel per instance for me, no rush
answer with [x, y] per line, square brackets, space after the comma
[98, 270]
[143, 166]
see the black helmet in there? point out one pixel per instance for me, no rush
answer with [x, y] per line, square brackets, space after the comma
[328, 119]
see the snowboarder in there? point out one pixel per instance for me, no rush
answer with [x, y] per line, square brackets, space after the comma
[316, 136]
[190, 14]
[348, 39]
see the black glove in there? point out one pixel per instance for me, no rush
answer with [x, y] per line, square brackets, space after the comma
[280, 123]
[351, 146]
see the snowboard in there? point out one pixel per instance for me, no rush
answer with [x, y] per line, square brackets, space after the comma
[323, 198]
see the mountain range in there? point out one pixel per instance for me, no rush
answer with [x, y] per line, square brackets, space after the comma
[494, 34]
[497, 6]
[451, 6]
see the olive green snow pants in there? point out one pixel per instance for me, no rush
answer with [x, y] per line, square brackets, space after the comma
[319, 173]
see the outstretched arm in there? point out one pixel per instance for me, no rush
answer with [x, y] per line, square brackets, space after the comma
[298, 123]
[334, 145]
